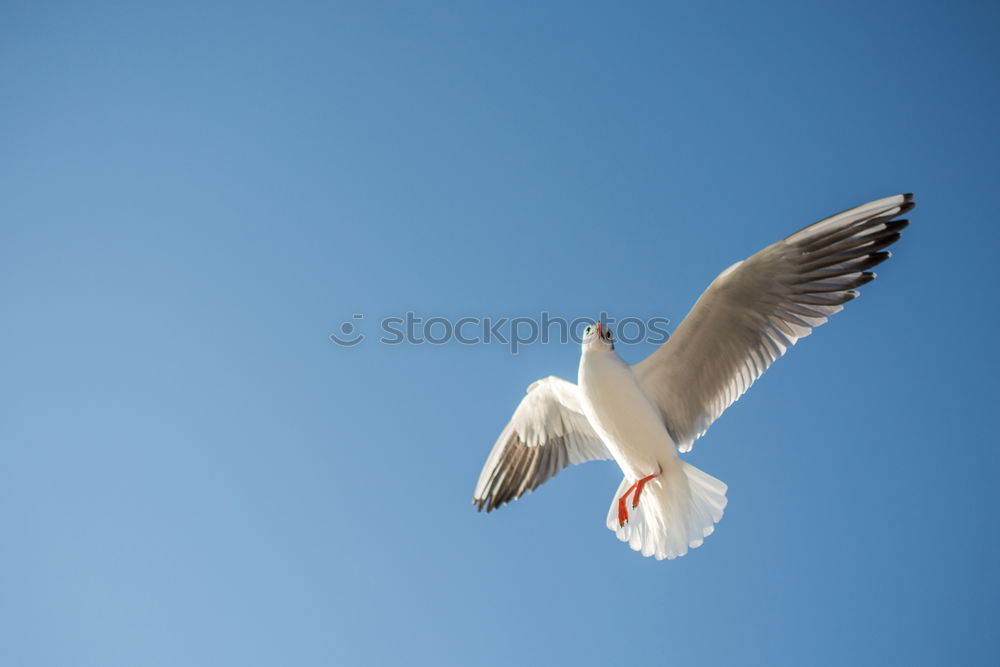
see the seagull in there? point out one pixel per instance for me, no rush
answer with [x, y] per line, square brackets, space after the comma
[643, 415]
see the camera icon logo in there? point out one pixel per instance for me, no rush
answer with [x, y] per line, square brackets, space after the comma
[349, 336]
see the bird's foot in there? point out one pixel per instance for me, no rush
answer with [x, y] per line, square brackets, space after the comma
[623, 510]
[639, 486]
[622, 502]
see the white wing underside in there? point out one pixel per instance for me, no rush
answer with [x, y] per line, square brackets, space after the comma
[547, 433]
[758, 308]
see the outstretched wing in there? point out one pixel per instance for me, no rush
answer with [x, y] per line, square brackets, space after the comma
[758, 308]
[547, 433]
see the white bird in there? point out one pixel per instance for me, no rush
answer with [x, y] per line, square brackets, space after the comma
[643, 415]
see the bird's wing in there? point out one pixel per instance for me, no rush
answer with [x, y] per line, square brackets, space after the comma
[547, 433]
[758, 308]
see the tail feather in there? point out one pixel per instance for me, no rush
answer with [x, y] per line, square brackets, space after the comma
[678, 509]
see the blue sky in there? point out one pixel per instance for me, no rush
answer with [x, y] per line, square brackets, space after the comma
[195, 195]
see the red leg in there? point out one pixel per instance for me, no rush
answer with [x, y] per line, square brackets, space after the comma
[623, 508]
[639, 486]
[622, 512]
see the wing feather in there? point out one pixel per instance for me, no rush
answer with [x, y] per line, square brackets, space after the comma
[547, 433]
[758, 308]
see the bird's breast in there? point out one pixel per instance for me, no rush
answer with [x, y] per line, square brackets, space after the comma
[619, 411]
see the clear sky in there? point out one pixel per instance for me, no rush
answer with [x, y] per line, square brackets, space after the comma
[196, 195]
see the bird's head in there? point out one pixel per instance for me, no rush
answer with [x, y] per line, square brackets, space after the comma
[597, 338]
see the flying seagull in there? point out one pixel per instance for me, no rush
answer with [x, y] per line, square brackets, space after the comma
[644, 414]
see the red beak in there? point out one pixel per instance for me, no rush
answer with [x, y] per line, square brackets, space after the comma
[598, 325]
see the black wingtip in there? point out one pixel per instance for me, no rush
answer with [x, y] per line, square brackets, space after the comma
[483, 503]
[877, 258]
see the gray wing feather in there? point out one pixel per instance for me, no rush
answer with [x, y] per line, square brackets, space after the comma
[758, 308]
[547, 433]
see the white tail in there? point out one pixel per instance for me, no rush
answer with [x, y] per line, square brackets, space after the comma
[677, 509]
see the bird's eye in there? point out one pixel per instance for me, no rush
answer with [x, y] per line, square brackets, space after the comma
[587, 332]
[609, 334]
